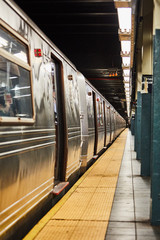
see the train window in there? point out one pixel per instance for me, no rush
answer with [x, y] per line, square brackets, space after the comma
[53, 72]
[100, 113]
[15, 90]
[12, 45]
[15, 83]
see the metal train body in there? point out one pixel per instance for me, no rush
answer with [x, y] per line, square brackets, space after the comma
[52, 120]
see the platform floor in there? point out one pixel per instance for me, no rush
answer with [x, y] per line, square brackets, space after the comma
[84, 213]
[130, 214]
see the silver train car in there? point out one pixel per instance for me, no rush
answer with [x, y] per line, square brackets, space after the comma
[53, 122]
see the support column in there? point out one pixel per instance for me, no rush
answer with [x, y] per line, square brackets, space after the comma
[146, 134]
[155, 183]
[155, 214]
[135, 131]
[133, 125]
[147, 71]
[138, 125]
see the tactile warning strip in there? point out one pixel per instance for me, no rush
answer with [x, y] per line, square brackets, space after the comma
[83, 213]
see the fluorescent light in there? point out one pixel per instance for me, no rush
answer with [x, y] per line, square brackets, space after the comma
[124, 17]
[126, 72]
[13, 77]
[3, 84]
[126, 61]
[19, 88]
[3, 42]
[126, 79]
[127, 89]
[126, 85]
[126, 47]
[22, 96]
[21, 55]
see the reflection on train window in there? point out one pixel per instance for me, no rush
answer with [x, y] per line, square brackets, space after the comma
[53, 72]
[100, 113]
[15, 90]
[12, 45]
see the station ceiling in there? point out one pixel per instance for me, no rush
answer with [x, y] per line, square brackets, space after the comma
[86, 31]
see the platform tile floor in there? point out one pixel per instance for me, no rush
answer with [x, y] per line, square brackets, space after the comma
[130, 213]
[84, 211]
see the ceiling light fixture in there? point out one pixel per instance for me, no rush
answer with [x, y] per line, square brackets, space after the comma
[125, 47]
[126, 61]
[126, 72]
[123, 14]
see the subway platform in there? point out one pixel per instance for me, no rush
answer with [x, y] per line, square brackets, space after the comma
[110, 201]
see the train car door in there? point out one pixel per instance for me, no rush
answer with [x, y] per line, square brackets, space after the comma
[95, 124]
[60, 122]
[99, 123]
[91, 121]
[109, 123]
[105, 123]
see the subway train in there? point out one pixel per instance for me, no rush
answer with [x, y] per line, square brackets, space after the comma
[53, 122]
